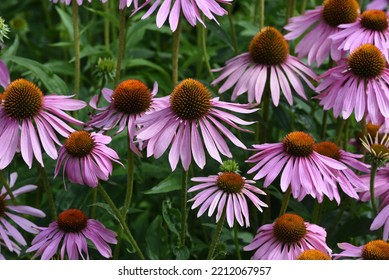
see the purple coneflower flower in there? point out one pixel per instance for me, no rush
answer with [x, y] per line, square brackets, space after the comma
[370, 28]
[86, 158]
[302, 169]
[313, 254]
[128, 101]
[191, 108]
[79, 2]
[14, 213]
[348, 181]
[373, 250]
[226, 191]
[267, 62]
[29, 120]
[286, 238]
[321, 23]
[190, 9]
[73, 229]
[358, 86]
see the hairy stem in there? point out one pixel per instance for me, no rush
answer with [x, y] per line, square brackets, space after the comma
[183, 207]
[77, 63]
[122, 44]
[285, 201]
[216, 236]
[175, 53]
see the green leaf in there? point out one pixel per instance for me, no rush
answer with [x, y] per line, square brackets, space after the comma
[52, 82]
[67, 21]
[172, 217]
[171, 183]
[181, 253]
[157, 246]
[139, 62]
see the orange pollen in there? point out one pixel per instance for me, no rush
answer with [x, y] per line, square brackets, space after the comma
[299, 144]
[374, 20]
[367, 61]
[313, 254]
[72, 220]
[22, 99]
[328, 149]
[269, 47]
[79, 144]
[376, 250]
[289, 228]
[190, 100]
[230, 182]
[337, 12]
[132, 97]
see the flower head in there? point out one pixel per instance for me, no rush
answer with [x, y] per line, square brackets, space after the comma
[373, 250]
[86, 159]
[79, 2]
[73, 229]
[358, 86]
[227, 191]
[286, 238]
[10, 237]
[30, 119]
[191, 108]
[129, 100]
[267, 63]
[370, 28]
[378, 148]
[190, 9]
[306, 171]
[4, 30]
[319, 24]
[348, 181]
[313, 254]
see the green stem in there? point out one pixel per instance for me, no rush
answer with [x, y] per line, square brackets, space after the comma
[94, 203]
[175, 53]
[232, 29]
[183, 207]
[77, 63]
[106, 28]
[290, 10]
[316, 212]
[7, 188]
[303, 6]
[236, 242]
[324, 125]
[373, 173]
[285, 201]
[46, 186]
[204, 50]
[216, 236]
[262, 130]
[262, 14]
[122, 222]
[122, 44]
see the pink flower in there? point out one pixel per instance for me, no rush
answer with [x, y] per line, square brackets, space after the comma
[267, 62]
[360, 85]
[348, 181]
[30, 120]
[226, 191]
[373, 250]
[130, 100]
[73, 229]
[190, 9]
[79, 2]
[320, 24]
[301, 168]
[10, 237]
[191, 108]
[286, 238]
[370, 28]
[86, 159]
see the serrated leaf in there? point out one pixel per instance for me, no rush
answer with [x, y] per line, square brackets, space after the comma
[171, 183]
